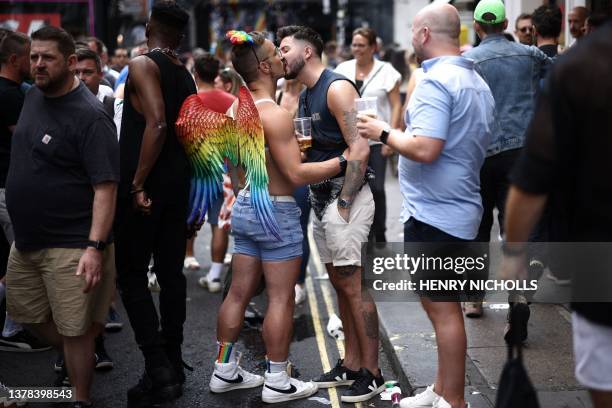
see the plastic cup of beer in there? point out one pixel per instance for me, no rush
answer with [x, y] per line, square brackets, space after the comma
[367, 106]
[303, 129]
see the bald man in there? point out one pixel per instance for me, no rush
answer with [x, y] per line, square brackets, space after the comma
[576, 20]
[448, 130]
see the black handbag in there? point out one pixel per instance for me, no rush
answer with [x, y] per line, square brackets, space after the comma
[515, 388]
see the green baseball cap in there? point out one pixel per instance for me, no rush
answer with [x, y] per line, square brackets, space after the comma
[490, 12]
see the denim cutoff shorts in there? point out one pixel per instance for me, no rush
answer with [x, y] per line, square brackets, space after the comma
[251, 239]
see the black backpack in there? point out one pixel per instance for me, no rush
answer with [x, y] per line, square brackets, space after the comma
[515, 388]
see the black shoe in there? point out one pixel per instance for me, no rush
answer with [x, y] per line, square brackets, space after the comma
[103, 360]
[113, 321]
[22, 342]
[337, 376]
[518, 318]
[364, 387]
[62, 379]
[59, 363]
[82, 404]
[156, 386]
[175, 356]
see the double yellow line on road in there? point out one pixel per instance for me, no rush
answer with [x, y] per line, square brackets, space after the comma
[316, 317]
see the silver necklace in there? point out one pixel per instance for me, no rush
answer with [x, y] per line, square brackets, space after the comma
[167, 51]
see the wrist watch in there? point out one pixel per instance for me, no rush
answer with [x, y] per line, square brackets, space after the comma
[99, 245]
[342, 203]
[384, 135]
[343, 163]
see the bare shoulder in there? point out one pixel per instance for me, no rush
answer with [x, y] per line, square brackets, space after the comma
[341, 94]
[342, 88]
[276, 120]
[274, 114]
[142, 65]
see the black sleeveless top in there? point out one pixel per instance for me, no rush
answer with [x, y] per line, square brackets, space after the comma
[327, 139]
[171, 173]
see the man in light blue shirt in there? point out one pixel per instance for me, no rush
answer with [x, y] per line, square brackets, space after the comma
[449, 121]
[454, 106]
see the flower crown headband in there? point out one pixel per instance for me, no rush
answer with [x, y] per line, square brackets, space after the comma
[237, 37]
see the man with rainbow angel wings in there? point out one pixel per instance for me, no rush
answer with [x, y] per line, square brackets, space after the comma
[260, 137]
[209, 138]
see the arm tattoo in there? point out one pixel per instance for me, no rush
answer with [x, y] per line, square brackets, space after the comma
[346, 271]
[370, 319]
[353, 180]
[350, 121]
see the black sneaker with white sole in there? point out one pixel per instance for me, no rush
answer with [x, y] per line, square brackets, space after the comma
[336, 377]
[365, 387]
[59, 363]
[103, 360]
[22, 342]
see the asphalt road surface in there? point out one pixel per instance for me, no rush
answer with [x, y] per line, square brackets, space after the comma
[312, 350]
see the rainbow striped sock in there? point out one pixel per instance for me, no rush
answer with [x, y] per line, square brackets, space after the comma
[226, 352]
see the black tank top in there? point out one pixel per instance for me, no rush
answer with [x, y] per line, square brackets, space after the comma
[171, 173]
[327, 139]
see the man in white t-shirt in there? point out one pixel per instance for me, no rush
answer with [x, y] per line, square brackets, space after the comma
[89, 70]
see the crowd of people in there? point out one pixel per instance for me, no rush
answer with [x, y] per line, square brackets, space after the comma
[96, 187]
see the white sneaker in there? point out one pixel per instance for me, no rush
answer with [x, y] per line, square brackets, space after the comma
[191, 264]
[153, 285]
[441, 403]
[227, 260]
[300, 294]
[213, 285]
[279, 387]
[426, 399]
[231, 376]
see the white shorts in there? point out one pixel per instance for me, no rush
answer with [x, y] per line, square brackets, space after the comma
[593, 353]
[339, 242]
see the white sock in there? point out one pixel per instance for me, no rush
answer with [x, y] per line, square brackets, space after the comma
[276, 367]
[215, 270]
[11, 327]
[2, 291]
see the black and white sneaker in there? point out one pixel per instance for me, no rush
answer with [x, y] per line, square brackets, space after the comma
[113, 321]
[230, 376]
[103, 360]
[22, 342]
[62, 380]
[337, 376]
[59, 363]
[279, 387]
[364, 387]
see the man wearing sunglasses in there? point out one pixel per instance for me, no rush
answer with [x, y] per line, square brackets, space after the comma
[523, 29]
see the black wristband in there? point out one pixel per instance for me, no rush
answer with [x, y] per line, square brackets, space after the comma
[384, 137]
[343, 163]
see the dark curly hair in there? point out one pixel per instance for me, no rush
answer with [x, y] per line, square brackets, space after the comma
[547, 21]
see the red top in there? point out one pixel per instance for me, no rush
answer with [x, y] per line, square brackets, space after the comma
[217, 100]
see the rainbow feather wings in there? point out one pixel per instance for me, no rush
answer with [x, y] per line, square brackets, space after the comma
[208, 138]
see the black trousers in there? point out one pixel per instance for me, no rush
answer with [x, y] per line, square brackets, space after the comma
[379, 164]
[494, 186]
[162, 234]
